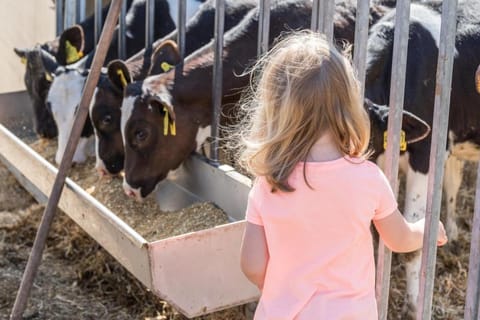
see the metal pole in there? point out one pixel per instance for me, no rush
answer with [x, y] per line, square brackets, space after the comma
[316, 11]
[81, 9]
[437, 156]
[70, 13]
[59, 17]
[472, 300]
[98, 20]
[49, 213]
[328, 15]
[149, 23]
[361, 37]
[182, 22]
[217, 76]
[122, 40]
[264, 26]
[392, 154]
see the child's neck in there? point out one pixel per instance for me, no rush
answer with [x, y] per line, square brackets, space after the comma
[324, 149]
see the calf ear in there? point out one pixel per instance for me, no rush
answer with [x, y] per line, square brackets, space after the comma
[70, 48]
[415, 128]
[22, 54]
[165, 57]
[118, 74]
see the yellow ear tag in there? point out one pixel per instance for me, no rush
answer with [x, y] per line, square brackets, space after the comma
[167, 125]
[23, 60]
[123, 80]
[166, 66]
[48, 77]
[72, 54]
[403, 141]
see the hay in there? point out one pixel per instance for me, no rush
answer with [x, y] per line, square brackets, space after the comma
[79, 278]
[144, 217]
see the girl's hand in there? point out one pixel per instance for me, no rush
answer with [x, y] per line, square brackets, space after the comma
[442, 235]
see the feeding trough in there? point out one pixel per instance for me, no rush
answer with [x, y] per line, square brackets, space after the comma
[197, 272]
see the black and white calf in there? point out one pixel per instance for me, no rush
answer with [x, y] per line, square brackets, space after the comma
[464, 122]
[105, 108]
[65, 91]
[151, 149]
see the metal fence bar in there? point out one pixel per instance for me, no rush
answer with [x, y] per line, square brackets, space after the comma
[437, 156]
[472, 300]
[81, 11]
[149, 23]
[70, 13]
[98, 20]
[59, 17]
[122, 40]
[328, 15]
[360, 45]
[263, 26]
[392, 154]
[315, 15]
[182, 22]
[35, 257]
[217, 77]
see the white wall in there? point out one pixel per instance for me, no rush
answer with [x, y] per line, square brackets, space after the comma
[23, 23]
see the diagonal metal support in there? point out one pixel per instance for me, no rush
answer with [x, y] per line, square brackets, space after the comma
[49, 213]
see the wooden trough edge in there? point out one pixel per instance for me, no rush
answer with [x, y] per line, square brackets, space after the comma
[198, 272]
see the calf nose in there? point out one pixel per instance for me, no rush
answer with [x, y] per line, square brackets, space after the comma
[130, 192]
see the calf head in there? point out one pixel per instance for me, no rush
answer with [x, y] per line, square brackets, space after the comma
[40, 66]
[105, 110]
[415, 128]
[157, 136]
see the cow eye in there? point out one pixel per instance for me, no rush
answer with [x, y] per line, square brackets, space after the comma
[141, 135]
[106, 120]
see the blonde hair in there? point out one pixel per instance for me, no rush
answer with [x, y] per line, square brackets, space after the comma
[304, 88]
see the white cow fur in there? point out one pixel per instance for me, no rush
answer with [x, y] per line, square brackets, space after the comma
[64, 97]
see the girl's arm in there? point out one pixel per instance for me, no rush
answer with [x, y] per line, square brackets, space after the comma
[399, 235]
[254, 254]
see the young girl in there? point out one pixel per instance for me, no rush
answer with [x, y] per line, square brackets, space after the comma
[307, 243]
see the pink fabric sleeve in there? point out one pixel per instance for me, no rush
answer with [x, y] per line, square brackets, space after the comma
[253, 214]
[387, 203]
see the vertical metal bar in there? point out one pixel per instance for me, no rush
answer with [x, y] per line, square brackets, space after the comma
[328, 15]
[70, 13]
[149, 23]
[437, 156]
[122, 40]
[317, 7]
[59, 17]
[182, 21]
[472, 300]
[360, 46]
[263, 26]
[39, 244]
[98, 20]
[81, 10]
[217, 76]
[392, 154]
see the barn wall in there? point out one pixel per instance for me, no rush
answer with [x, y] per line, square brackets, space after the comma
[23, 23]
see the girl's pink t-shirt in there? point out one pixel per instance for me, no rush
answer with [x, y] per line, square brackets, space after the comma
[321, 263]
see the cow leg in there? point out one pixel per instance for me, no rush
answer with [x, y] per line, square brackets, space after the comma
[451, 184]
[415, 207]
